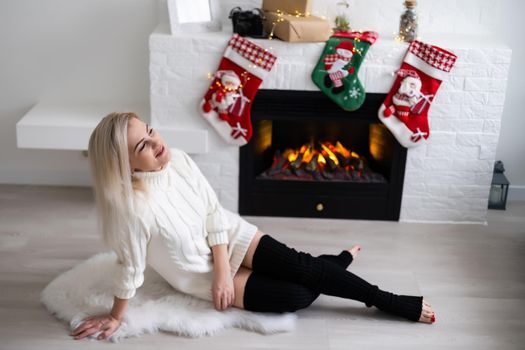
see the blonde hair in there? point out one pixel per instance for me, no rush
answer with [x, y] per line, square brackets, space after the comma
[113, 184]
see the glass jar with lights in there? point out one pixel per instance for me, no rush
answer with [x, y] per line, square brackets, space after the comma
[408, 23]
[342, 21]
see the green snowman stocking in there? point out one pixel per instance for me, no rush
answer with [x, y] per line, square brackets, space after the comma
[336, 72]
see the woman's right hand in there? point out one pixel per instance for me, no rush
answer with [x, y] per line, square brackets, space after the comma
[106, 324]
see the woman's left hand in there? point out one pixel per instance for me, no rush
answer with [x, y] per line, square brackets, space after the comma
[106, 324]
[222, 289]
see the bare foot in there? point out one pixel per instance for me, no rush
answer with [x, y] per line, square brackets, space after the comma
[354, 250]
[427, 314]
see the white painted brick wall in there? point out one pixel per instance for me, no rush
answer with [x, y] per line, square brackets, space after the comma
[447, 179]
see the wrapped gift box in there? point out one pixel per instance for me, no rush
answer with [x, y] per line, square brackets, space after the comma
[294, 29]
[292, 7]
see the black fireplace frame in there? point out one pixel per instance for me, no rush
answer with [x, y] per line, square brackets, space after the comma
[348, 200]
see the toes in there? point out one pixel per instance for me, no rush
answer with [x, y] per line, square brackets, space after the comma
[427, 314]
[426, 305]
[428, 310]
[354, 250]
[425, 319]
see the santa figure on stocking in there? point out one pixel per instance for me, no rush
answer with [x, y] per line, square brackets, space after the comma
[227, 92]
[406, 106]
[408, 100]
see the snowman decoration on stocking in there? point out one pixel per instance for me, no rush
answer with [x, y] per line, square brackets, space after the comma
[335, 66]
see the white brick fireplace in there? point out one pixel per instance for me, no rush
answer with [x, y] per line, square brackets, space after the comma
[446, 180]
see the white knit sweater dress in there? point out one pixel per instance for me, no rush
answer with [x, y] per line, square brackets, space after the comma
[173, 229]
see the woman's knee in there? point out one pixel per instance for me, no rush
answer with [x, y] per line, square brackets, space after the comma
[298, 297]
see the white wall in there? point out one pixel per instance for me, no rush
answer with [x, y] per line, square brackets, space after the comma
[511, 147]
[91, 50]
[63, 50]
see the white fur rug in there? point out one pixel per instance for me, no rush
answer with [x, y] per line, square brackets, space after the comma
[86, 290]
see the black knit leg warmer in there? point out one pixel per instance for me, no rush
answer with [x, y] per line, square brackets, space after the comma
[407, 306]
[344, 259]
[265, 294]
[277, 261]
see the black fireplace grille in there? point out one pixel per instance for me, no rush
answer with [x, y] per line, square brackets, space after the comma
[288, 120]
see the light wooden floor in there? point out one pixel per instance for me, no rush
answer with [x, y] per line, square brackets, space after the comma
[473, 275]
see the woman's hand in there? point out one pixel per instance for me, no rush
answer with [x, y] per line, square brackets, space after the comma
[106, 324]
[222, 290]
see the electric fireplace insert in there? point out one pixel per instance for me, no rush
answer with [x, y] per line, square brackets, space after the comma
[310, 158]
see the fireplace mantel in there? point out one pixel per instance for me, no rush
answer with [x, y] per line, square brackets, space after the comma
[446, 180]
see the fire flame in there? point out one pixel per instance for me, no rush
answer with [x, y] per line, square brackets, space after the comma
[331, 155]
[327, 150]
[341, 149]
[320, 161]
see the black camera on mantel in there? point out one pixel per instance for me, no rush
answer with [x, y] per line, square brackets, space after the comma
[248, 23]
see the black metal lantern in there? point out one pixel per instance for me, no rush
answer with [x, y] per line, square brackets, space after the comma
[499, 188]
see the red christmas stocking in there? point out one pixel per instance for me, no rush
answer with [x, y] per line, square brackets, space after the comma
[227, 103]
[405, 110]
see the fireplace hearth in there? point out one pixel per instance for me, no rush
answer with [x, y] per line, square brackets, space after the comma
[310, 158]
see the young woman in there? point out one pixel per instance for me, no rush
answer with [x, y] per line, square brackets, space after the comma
[158, 209]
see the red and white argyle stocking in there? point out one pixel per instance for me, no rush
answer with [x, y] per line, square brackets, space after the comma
[227, 103]
[405, 109]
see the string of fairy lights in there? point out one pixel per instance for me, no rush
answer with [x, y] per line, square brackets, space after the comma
[297, 14]
[280, 19]
[399, 37]
[245, 77]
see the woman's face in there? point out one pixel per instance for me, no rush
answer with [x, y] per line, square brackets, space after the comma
[147, 150]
